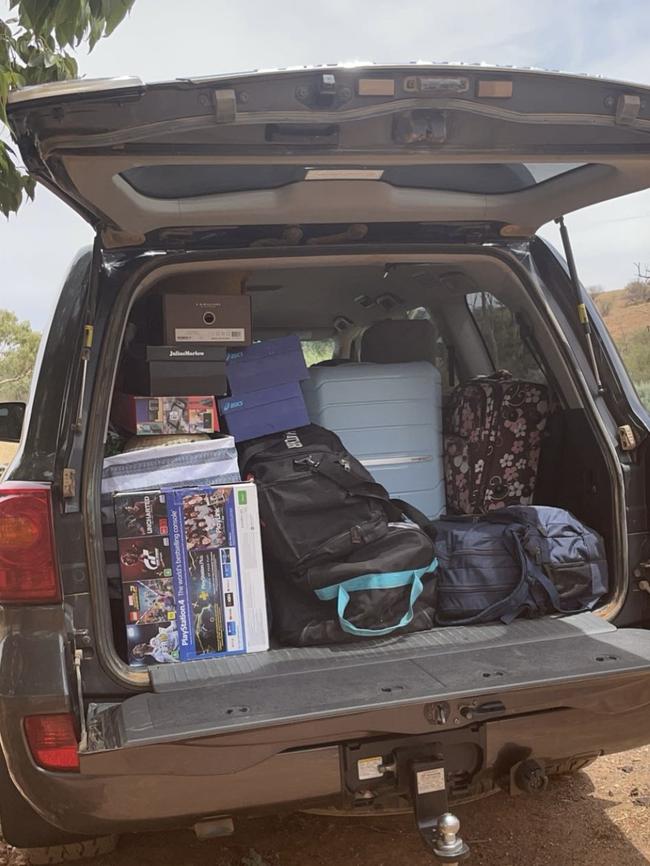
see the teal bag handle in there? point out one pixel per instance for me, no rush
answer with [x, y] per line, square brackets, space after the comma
[388, 580]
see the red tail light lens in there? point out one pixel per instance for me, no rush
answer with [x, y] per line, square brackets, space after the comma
[53, 742]
[28, 570]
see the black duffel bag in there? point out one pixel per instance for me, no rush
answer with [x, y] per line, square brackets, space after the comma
[516, 561]
[341, 561]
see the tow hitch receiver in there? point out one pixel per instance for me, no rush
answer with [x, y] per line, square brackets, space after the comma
[438, 828]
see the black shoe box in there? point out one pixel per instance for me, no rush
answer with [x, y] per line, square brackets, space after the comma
[164, 371]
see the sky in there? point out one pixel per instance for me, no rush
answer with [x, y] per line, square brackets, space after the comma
[164, 39]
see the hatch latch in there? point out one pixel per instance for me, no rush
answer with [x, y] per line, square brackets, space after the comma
[225, 106]
[628, 107]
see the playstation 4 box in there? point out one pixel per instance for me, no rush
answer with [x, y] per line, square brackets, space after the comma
[147, 583]
[216, 556]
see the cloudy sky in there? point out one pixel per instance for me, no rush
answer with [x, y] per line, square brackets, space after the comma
[169, 38]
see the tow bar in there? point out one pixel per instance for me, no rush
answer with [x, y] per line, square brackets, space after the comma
[438, 828]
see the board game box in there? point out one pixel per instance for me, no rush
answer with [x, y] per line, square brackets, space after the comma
[218, 573]
[146, 571]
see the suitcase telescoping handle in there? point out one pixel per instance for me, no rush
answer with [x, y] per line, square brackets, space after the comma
[365, 582]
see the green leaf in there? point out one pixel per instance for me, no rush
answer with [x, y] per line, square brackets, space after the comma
[65, 22]
[117, 11]
[37, 12]
[96, 32]
[5, 79]
[29, 185]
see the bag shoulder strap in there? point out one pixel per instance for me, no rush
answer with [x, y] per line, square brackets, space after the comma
[508, 608]
[418, 517]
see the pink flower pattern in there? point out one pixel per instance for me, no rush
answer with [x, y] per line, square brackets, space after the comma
[493, 437]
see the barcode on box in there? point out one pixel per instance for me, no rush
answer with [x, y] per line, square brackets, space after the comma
[210, 335]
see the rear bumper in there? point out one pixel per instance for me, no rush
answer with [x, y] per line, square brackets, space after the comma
[174, 784]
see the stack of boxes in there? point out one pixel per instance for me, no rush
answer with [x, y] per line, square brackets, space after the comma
[190, 557]
[172, 388]
[265, 394]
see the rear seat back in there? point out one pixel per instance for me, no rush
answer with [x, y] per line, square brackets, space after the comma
[398, 341]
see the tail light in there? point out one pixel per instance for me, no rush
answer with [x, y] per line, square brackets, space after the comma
[28, 568]
[52, 740]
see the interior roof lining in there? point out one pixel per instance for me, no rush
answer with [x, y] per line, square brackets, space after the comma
[481, 272]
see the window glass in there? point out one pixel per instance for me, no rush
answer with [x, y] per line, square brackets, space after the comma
[317, 350]
[502, 337]
[187, 181]
[440, 351]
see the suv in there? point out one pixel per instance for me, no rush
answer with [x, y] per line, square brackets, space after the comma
[347, 196]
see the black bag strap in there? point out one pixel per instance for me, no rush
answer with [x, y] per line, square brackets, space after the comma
[418, 517]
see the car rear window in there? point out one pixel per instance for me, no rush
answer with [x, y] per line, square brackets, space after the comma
[190, 181]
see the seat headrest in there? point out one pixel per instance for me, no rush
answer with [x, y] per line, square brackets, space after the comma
[397, 341]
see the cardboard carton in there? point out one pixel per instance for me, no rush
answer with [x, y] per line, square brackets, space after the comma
[221, 319]
[151, 416]
[218, 570]
[147, 583]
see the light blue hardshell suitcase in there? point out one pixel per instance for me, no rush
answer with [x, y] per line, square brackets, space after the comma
[389, 416]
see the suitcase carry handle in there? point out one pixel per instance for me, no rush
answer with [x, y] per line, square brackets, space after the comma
[389, 580]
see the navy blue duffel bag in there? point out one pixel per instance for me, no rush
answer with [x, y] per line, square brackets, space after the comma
[516, 561]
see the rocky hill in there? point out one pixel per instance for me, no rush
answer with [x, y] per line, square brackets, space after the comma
[621, 318]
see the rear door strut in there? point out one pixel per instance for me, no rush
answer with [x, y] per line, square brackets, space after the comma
[583, 315]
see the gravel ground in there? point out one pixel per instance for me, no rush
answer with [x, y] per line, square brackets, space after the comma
[599, 817]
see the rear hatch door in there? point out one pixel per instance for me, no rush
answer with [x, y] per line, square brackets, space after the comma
[450, 144]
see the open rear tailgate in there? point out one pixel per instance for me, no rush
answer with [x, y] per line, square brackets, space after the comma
[367, 144]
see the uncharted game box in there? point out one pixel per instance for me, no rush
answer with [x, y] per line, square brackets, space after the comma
[218, 572]
[146, 571]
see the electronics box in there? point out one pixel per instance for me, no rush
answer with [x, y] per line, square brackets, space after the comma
[154, 416]
[218, 570]
[268, 410]
[147, 584]
[265, 364]
[216, 319]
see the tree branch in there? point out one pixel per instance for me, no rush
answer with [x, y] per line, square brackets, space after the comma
[13, 379]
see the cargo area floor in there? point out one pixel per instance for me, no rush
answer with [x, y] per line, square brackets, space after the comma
[287, 686]
[305, 660]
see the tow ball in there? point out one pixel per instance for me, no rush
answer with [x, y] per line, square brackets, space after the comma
[438, 827]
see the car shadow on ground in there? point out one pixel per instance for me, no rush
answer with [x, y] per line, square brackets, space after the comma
[565, 825]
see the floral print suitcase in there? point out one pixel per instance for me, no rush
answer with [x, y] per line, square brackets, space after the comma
[493, 434]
